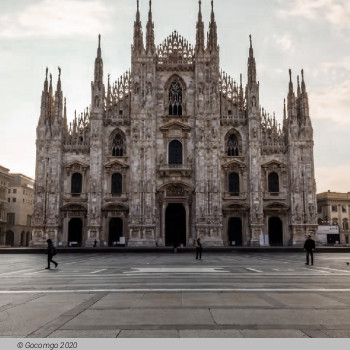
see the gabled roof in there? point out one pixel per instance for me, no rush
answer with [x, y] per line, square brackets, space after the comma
[273, 162]
[77, 162]
[116, 162]
[175, 125]
[234, 162]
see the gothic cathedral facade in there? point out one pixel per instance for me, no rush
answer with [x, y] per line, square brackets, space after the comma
[174, 150]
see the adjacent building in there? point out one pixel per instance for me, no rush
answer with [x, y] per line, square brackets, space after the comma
[173, 150]
[20, 207]
[333, 215]
[4, 184]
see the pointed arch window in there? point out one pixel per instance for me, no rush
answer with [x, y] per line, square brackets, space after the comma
[175, 98]
[274, 183]
[118, 145]
[175, 152]
[232, 146]
[117, 183]
[76, 183]
[233, 184]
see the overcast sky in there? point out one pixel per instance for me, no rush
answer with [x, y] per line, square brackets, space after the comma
[309, 34]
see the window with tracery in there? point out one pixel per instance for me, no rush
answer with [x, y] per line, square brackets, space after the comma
[76, 183]
[175, 152]
[232, 146]
[175, 98]
[117, 183]
[274, 183]
[233, 184]
[118, 145]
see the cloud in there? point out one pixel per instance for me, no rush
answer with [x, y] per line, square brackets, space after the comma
[332, 178]
[333, 11]
[332, 103]
[344, 63]
[282, 42]
[51, 18]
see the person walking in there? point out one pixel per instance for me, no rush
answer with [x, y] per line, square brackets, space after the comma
[309, 247]
[51, 251]
[198, 246]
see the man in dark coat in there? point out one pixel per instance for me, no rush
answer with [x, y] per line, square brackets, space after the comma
[309, 247]
[198, 248]
[51, 251]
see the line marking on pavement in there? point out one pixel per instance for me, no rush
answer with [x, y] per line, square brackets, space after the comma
[175, 270]
[319, 270]
[328, 268]
[182, 290]
[97, 271]
[14, 272]
[250, 269]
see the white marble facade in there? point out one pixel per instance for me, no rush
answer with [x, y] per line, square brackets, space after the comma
[173, 150]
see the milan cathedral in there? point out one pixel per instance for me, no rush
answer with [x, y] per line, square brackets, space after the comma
[173, 150]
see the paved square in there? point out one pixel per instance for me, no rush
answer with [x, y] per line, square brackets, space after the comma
[162, 295]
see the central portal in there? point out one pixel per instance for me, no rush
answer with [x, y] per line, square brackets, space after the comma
[115, 231]
[235, 231]
[175, 225]
[75, 232]
[275, 231]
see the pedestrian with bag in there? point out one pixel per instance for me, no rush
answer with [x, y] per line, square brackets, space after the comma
[309, 247]
[198, 246]
[51, 251]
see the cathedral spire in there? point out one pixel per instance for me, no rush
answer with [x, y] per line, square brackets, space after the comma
[150, 47]
[303, 87]
[251, 64]
[59, 80]
[65, 123]
[46, 82]
[98, 76]
[284, 116]
[200, 30]
[45, 100]
[50, 88]
[291, 88]
[291, 101]
[97, 87]
[58, 99]
[109, 93]
[241, 96]
[213, 36]
[138, 47]
[298, 86]
[99, 54]
[51, 100]
[304, 97]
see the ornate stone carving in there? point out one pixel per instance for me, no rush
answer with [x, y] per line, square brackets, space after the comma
[175, 191]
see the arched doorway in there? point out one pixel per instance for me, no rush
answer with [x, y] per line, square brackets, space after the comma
[23, 239]
[10, 238]
[275, 232]
[115, 230]
[28, 238]
[175, 225]
[75, 232]
[235, 231]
